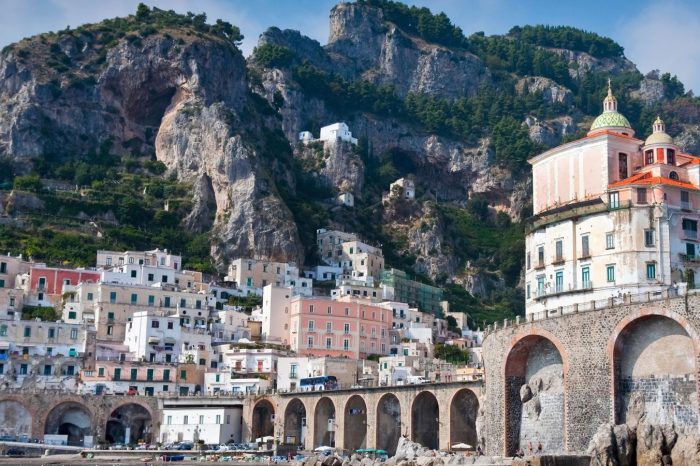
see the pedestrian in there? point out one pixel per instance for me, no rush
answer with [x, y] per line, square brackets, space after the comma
[539, 448]
[478, 450]
[529, 447]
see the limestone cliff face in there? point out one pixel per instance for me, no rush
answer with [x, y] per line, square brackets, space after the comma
[383, 54]
[180, 98]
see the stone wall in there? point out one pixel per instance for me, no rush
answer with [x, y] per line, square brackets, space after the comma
[591, 345]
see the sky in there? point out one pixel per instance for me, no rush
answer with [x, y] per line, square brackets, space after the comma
[656, 34]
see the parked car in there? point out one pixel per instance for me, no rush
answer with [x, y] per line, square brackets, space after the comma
[118, 446]
[184, 446]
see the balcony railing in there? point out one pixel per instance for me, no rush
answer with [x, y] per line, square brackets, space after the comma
[561, 289]
[685, 205]
[689, 258]
[539, 265]
[690, 234]
[558, 259]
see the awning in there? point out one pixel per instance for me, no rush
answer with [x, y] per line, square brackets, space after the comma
[4, 345]
[169, 341]
[153, 340]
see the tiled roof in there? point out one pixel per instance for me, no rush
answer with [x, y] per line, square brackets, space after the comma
[648, 180]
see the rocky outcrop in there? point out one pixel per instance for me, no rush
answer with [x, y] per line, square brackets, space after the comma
[581, 63]
[551, 92]
[337, 164]
[550, 133]
[383, 54]
[651, 91]
[645, 445]
[689, 139]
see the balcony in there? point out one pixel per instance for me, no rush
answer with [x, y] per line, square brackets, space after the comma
[689, 258]
[293, 375]
[539, 265]
[558, 260]
[551, 291]
[685, 205]
[690, 234]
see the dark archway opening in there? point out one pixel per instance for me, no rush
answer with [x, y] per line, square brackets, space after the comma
[425, 420]
[295, 423]
[324, 423]
[263, 420]
[355, 431]
[463, 412]
[388, 423]
[129, 424]
[70, 419]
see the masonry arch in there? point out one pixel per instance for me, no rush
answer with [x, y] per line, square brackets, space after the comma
[535, 396]
[72, 419]
[15, 418]
[388, 425]
[324, 423]
[263, 420]
[295, 422]
[464, 409]
[654, 358]
[355, 429]
[129, 423]
[425, 420]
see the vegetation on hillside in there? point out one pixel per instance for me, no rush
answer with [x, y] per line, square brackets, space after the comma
[567, 37]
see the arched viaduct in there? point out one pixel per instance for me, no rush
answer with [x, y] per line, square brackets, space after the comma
[104, 417]
[556, 377]
[435, 415]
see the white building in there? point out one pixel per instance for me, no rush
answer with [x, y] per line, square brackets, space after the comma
[212, 424]
[614, 216]
[153, 338]
[403, 187]
[225, 383]
[331, 134]
[252, 275]
[346, 199]
[275, 314]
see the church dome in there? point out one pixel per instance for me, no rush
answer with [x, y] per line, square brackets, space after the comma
[611, 118]
[659, 136]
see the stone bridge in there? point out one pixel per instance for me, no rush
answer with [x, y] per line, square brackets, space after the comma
[555, 379]
[435, 415]
[104, 417]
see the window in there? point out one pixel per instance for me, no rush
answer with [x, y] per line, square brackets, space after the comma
[151, 300]
[185, 419]
[52, 332]
[155, 324]
[685, 200]
[610, 272]
[642, 195]
[346, 344]
[109, 261]
[329, 311]
[559, 253]
[311, 308]
[164, 279]
[614, 200]
[27, 332]
[110, 330]
[166, 301]
[651, 270]
[649, 157]
[23, 369]
[12, 301]
[169, 420]
[183, 374]
[110, 316]
[559, 282]
[690, 228]
[150, 277]
[3, 267]
[649, 237]
[310, 342]
[166, 375]
[528, 291]
[74, 334]
[134, 374]
[347, 311]
[100, 371]
[586, 278]
[311, 326]
[112, 297]
[540, 256]
[622, 166]
[670, 156]
[527, 261]
[329, 327]
[90, 297]
[117, 373]
[218, 418]
[170, 325]
[609, 241]
[3, 330]
[47, 369]
[540, 285]
[346, 329]
[134, 298]
[71, 315]
[133, 274]
[673, 176]
[585, 251]
[328, 343]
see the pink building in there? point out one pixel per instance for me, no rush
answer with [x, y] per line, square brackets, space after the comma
[46, 283]
[348, 328]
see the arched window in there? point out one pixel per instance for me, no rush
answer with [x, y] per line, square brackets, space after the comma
[673, 175]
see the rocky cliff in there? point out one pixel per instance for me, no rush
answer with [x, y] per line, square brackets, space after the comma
[166, 108]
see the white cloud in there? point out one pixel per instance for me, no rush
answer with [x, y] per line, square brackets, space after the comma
[665, 36]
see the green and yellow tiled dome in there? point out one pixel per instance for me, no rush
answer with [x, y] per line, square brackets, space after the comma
[610, 119]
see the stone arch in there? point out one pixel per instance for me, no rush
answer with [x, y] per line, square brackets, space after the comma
[324, 423]
[535, 368]
[425, 420]
[70, 418]
[388, 425]
[295, 422]
[263, 421]
[355, 428]
[129, 423]
[464, 409]
[15, 418]
[654, 358]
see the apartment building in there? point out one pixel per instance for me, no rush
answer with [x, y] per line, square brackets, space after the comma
[253, 275]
